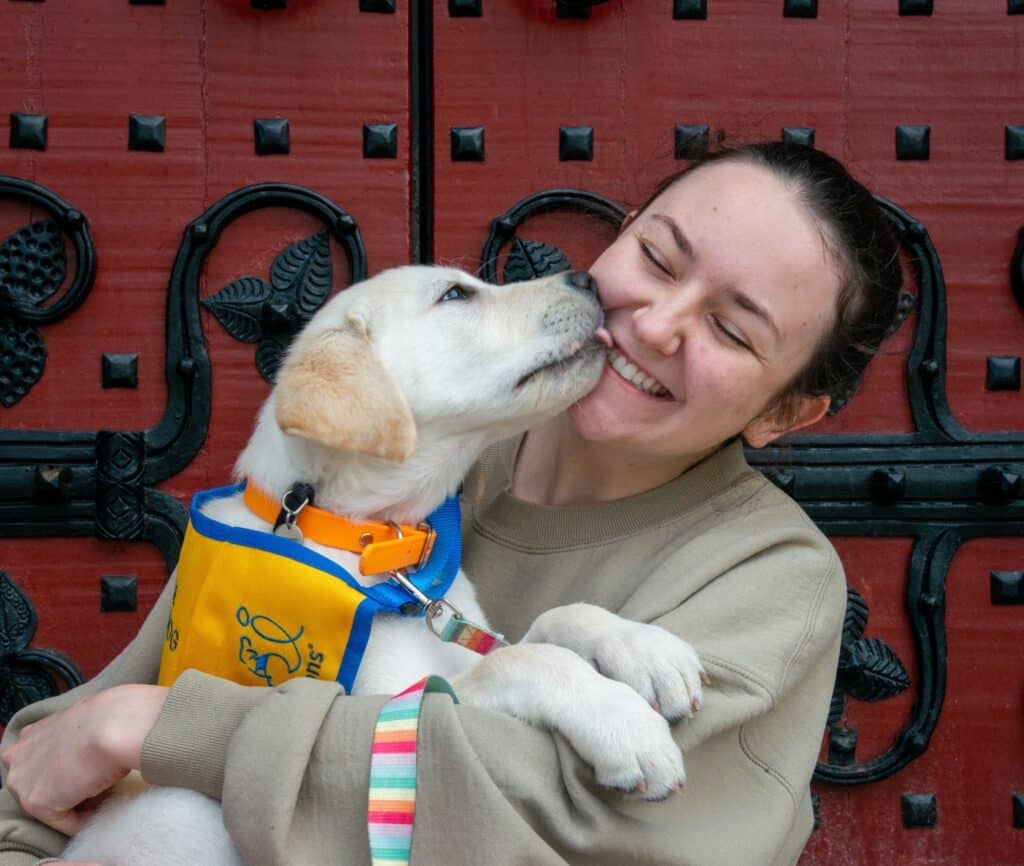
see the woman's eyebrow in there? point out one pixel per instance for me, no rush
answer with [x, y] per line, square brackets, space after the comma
[682, 241]
[751, 306]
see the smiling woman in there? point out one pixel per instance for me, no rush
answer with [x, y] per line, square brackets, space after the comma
[748, 293]
[743, 297]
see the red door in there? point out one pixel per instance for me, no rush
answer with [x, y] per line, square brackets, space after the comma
[177, 165]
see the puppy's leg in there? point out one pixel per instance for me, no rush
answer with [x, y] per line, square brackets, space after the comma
[661, 667]
[612, 728]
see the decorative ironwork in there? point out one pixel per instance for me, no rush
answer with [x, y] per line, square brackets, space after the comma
[913, 142]
[272, 135]
[575, 143]
[26, 675]
[28, 131]
[101, 483]
[120, 369]
[800, 9]
[380, 140]
[1013, 142]
[147, 132]
[919, 810]
[531, 259]
[467, 144]
[503, 228]
[33, 267]
[575, 8]
[916, 7]
[690, 9]
[869, 670]
[270, 314]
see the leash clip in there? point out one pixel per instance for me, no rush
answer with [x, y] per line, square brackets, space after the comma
[435, 609]
[399, 576]
[432, 607]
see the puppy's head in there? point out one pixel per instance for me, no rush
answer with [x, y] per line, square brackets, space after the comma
[429, 351]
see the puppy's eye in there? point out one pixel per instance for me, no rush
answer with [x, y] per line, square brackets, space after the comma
[456, 293]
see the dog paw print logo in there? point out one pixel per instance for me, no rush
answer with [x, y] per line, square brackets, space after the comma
[267, 650]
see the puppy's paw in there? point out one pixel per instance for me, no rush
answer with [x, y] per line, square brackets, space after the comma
[662, 668]
[628, 744]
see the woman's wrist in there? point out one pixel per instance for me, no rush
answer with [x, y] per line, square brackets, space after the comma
[129, 713]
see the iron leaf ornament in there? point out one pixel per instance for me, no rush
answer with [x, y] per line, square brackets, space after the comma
[26, 675]
[528, 260]
[271, 314]
[33, 264]
[869, 670]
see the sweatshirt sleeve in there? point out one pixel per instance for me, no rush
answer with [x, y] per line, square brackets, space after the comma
[23, 839]
[291, 764]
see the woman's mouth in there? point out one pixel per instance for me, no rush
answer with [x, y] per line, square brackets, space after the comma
[636, 377]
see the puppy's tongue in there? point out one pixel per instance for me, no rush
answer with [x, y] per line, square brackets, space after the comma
[604, 337]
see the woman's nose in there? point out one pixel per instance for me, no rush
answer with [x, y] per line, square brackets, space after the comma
[658, 328]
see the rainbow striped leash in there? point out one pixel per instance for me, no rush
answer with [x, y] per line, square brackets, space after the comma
[392, 807]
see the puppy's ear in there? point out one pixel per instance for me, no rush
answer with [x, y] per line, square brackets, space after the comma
[334, 390]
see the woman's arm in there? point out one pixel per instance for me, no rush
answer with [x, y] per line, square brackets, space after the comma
[291, 764]
[23, 839]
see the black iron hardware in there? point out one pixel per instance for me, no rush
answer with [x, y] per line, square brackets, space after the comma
[26, 675]
[102, 483]
[270, 314]
[575, 8]
[33, 267]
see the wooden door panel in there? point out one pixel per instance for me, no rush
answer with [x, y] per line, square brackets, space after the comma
[175, 216]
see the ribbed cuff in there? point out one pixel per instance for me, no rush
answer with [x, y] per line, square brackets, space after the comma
[188, 745]
[21, 858]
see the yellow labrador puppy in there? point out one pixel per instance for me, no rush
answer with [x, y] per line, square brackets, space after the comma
[382, 404]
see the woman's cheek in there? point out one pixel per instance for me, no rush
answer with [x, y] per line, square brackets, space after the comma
[720, 375]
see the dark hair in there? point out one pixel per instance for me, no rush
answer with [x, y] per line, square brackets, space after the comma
[860, 238]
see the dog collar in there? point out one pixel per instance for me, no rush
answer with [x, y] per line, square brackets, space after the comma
[381, 546]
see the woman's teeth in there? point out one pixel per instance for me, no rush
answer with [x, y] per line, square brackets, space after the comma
[634, 375]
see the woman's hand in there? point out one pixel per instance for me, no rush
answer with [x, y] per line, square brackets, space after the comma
[76, 754]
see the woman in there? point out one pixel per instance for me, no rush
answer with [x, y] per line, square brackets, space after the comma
[745, 295]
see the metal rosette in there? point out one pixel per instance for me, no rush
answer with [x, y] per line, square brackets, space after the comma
[33, 267]
[531, 258]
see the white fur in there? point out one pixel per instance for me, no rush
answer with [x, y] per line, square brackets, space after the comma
[457, 365]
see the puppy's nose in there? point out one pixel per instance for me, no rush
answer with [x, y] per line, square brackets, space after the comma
[583, 281]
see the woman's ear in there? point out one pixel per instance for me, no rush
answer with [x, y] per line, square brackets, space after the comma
[778, 421]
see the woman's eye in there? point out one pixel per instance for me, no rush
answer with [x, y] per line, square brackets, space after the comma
[655, 260]
[455, 293]
[729, 335]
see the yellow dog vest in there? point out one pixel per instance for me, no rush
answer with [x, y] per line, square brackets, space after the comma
[259, 609]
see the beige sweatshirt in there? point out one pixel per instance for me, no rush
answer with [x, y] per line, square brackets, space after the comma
[718, 556]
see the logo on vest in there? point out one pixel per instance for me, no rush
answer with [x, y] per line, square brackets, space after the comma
[267, 650]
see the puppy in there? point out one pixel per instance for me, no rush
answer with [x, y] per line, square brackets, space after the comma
[383, 402]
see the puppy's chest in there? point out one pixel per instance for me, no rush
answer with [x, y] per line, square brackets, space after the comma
[400, 650]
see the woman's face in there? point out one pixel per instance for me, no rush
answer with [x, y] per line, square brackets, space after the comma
[715, 297]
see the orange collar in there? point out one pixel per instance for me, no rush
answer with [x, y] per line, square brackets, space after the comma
[378, 544]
